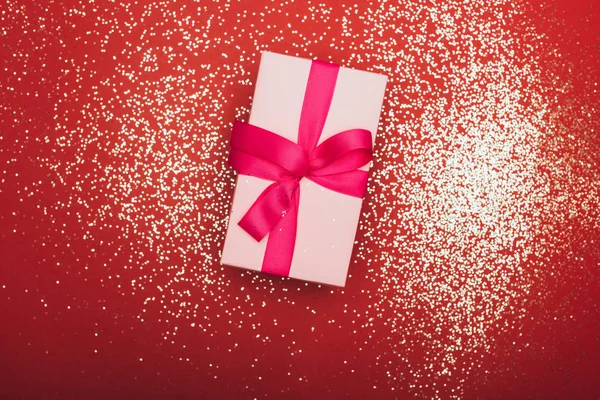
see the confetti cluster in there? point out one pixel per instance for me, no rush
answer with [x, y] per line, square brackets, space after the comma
[481, 225]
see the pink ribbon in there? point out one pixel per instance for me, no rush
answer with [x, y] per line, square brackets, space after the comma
[333, 164]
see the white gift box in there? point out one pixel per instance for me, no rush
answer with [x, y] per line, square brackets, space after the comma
[327, 220]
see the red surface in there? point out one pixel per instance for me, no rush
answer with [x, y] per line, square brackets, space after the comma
[99, 300]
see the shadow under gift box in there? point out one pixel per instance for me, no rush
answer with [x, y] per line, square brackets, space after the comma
[327, 220]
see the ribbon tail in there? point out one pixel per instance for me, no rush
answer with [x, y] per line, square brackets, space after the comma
[281, 242]
[267, 210]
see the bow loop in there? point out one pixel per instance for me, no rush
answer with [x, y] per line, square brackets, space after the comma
[343, 152]
[266, 154]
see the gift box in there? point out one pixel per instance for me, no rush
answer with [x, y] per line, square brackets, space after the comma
[302, 162]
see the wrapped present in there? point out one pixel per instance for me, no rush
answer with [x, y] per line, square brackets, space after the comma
[302, 162]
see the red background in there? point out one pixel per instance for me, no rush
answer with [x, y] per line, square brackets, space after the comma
[477, 269]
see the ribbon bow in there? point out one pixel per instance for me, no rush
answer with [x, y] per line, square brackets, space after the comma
[333, 164]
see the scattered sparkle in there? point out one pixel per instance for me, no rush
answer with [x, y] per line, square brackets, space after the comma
[480, 228]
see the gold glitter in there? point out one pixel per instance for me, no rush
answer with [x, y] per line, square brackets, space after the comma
[486, 169]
